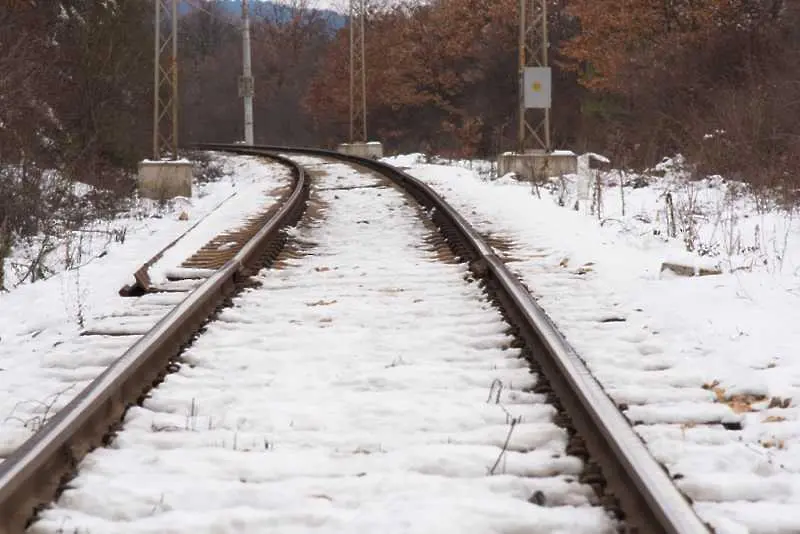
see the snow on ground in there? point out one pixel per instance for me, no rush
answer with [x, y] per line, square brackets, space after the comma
[44, 361]
[347, 394]
[674, 352]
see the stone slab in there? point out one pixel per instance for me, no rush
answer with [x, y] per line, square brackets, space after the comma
[537, 165]
[683, 269]
[162, 180]
[373, 149]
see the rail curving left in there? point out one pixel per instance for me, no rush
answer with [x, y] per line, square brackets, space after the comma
[33, 474]
[619, 469]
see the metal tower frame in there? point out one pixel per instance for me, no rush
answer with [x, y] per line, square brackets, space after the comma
[165, 87]
[358, 72]
[533, 47]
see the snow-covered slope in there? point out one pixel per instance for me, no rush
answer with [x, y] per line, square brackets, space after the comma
[44, 359]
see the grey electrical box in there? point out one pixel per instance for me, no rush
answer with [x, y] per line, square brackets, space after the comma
[537, 87]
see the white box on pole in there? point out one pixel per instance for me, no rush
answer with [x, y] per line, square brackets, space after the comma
[537, 87]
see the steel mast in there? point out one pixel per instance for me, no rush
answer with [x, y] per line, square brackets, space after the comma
[165, 80]
[358, 73]
[534, 124]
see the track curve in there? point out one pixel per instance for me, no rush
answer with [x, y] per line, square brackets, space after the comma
[625, 471]
[31, 476]
[647, 496]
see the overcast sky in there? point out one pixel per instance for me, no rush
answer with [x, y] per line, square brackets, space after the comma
[342, 6]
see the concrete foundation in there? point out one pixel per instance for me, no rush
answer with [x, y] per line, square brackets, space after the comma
[537, 165]
[161, 180]
[373, 149]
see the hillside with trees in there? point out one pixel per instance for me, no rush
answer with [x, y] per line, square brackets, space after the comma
[714, 80]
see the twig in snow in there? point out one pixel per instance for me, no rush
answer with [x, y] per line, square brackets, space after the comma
[36, 422]
[514, 422]
[191, 417]
[496, 382]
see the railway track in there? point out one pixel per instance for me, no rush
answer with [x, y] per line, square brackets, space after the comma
[230, 430]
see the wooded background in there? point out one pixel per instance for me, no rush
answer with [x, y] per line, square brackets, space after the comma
[637, 80]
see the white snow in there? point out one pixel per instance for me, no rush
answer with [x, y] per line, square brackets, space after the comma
[167, 161]
[352, 392]
[277, 435]
[672, 351]
[44, 359]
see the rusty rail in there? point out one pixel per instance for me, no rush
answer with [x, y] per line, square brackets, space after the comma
[649, 500]
[31, 476]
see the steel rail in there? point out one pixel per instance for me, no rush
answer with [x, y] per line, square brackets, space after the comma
[648, 497]
[31, 476]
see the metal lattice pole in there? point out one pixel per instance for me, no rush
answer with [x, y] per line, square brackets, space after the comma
[534, 125]
[358, 73]
[165, 88]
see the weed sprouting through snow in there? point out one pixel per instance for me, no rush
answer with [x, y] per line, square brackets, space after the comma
[36, 422]
[495, 391]
[512, 424]
[191, 416]
[497, 386]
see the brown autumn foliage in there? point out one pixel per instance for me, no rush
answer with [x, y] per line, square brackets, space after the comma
[438, 77]
[442, 77]
[638, 80]
[72, 108]
[713, 79]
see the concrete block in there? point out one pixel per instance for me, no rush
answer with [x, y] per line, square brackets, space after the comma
[373, 149]
[538, 165]
[161, 180]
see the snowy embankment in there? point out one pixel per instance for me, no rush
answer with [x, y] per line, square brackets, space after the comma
[44, 359]
[708, 364]
[347, 394]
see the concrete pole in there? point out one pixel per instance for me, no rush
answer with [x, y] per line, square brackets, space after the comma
[352, 71]
[523, 30]
[247, 75]
[363, 48]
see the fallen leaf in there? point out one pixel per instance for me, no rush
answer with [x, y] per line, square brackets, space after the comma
[392, 290]
[773, 419]
[321, 303]
[740, 403]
